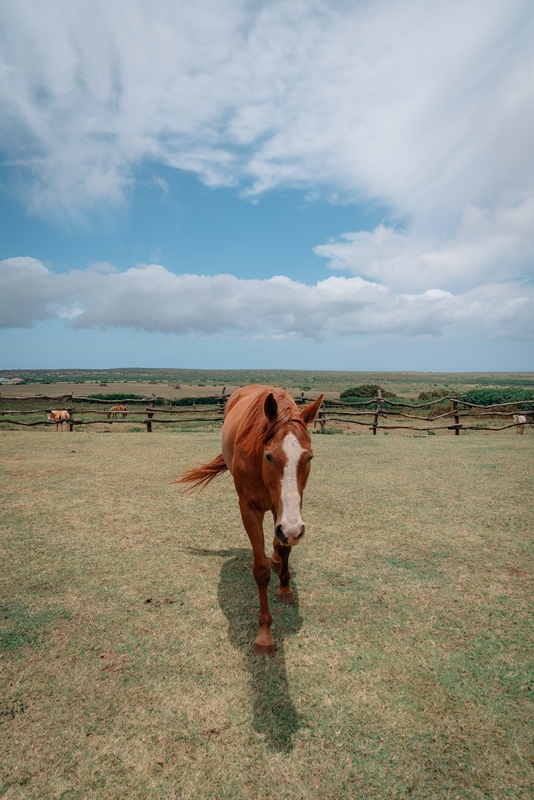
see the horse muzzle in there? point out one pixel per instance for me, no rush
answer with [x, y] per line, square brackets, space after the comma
[290, 535]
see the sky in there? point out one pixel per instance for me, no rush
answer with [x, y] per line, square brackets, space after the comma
[316, 185]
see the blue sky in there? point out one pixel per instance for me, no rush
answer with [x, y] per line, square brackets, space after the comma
[270, 185]
[190, 227]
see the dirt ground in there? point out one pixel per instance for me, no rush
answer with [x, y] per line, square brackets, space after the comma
[167, 390]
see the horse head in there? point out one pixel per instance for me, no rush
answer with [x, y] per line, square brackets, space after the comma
[286, 462]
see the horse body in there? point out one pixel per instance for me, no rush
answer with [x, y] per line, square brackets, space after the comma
[267, 449]
[520, 421]
[59, 417]
[116, 410]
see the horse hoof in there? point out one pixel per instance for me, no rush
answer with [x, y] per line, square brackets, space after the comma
[286, 597]
[264, 650]
[275, 565]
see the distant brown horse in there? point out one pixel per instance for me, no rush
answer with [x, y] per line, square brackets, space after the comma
[267, 449]
[59, 417]
[116, 410]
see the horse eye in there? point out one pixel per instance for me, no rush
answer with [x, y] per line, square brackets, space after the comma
[268, 456]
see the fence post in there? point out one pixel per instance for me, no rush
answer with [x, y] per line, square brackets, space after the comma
[321, 419]
[456, 415]
[378, 405]
[221, 404]
[150, 414]
[70, 409]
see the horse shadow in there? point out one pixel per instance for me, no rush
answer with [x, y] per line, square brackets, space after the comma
[275, 717]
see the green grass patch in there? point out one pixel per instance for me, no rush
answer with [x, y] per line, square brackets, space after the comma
[328, 430]
[19, 626]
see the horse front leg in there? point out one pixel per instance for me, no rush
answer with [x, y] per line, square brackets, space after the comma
[253, 521]
[285, 592]
[275, 558]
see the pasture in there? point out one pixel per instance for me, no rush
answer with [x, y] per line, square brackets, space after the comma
[128, 615]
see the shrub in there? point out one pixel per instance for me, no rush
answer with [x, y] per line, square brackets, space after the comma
[489, 397]
[366, 390]
[439, 408]
[435, 394]
[191, 401]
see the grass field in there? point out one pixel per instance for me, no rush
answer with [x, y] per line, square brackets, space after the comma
[402, 671]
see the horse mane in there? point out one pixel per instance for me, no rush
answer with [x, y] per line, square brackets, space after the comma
[253, 434]
[257, 429]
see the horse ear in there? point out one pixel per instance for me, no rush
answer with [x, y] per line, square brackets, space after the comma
[309, 413]
[270, 406]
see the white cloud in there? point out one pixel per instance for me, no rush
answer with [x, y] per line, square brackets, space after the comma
[488, 246]
[426, 108]
[151, 298]
[28, 291]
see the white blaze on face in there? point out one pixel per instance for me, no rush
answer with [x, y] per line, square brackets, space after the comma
[291, 520]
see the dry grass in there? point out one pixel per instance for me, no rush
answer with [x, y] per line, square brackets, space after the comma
[401, 672]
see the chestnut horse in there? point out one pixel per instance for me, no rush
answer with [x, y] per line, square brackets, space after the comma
[59, 417]
[267, 449]
[116, 410]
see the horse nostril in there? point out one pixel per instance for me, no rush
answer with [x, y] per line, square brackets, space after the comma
[279, 535]
[302, 532]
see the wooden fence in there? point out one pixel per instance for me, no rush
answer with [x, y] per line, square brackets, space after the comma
[383, 407]
[197, 412]
[367, 413]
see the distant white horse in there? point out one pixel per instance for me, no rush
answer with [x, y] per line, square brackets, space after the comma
[520, 422]
[59, 417]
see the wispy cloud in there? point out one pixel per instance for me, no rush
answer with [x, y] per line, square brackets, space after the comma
[151, 298]
[425, 108]
[422, 106]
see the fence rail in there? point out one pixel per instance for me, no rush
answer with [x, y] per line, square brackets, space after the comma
[331, 411]
[181, 410]
[70, 396]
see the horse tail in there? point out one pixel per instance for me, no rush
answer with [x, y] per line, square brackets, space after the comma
[199, 477]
